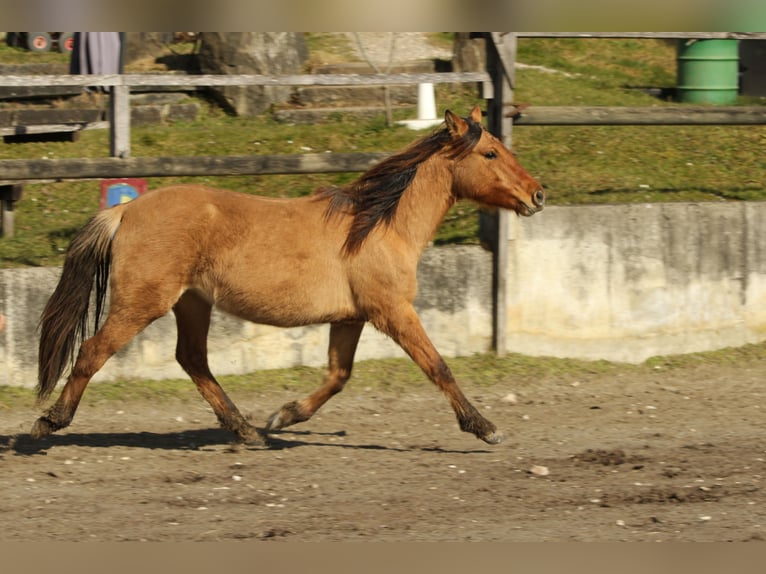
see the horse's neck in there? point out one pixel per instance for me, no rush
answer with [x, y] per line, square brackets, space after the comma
[424, 204]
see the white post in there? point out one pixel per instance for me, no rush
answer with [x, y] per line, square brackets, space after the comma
[7, 209]
[426, 102]
[426, 109]
[120, 121]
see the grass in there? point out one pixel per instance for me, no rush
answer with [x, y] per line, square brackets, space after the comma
[600, 164]
[577, 165]
[13, 55]
[481, 370]
[328, 48]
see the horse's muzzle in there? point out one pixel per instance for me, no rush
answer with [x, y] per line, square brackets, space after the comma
[538, 200]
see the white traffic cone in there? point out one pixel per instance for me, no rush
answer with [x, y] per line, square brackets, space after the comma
[426, 109]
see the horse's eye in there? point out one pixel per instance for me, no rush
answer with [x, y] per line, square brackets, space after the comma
[490, 155]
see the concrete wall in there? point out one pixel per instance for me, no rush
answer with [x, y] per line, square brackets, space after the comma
[620, 283]
[631, 281]
[454, 303]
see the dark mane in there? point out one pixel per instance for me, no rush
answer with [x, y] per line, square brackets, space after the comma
[374, 197]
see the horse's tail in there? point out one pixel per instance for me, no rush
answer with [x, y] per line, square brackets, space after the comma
[64, 320]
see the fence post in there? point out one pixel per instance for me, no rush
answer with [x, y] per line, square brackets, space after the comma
[9, 195]
[119, 121]
[501, 56]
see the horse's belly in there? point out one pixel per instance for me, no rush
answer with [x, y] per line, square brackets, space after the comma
[284, 306]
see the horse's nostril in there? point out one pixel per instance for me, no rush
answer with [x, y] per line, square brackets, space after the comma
[539, 197]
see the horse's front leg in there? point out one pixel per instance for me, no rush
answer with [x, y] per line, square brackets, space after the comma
[343, 340]
[403, 325]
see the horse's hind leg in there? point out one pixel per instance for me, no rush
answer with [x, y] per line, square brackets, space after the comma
[120, 327]
[343, 340]
[193, 321]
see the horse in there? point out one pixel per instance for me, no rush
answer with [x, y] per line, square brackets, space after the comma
[344, 255]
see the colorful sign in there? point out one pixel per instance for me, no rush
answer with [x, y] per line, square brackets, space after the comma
[117, 191]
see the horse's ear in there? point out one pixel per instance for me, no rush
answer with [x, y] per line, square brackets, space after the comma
[476, 114]
[456, 125]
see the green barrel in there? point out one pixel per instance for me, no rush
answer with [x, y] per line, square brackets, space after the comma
[708, 71]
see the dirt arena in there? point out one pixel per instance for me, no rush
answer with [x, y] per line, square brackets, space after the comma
[666, 454]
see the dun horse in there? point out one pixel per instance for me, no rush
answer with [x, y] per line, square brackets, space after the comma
[344, 255]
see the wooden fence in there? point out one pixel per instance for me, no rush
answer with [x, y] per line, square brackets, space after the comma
[15, 172]
[498, 84]
[501, 70]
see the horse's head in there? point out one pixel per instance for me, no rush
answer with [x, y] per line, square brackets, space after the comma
[486, 171]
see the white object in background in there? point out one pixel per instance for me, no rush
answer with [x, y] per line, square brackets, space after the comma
[426, 109]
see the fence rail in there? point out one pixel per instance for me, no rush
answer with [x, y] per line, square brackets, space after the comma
[114, 167]
[642, 115]
[92, 168]
[648, 35]
[130, 80]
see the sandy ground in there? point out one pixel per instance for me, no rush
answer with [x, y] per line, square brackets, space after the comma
[674, 456]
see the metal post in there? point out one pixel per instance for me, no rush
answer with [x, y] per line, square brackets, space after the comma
[501, 56]
[9, 195]
[7, 209]
[119, 121]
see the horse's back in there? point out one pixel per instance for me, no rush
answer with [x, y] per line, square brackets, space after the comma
[214, 218]
[275, 261]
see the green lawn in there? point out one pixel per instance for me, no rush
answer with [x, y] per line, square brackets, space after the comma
[576, 164]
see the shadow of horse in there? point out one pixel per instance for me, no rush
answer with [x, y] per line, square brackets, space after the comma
[196, 440]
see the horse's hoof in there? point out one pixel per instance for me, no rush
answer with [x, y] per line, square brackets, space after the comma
[275, 422]
[42, 428]
[253, 437]
[288, 415]
[495, 437]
